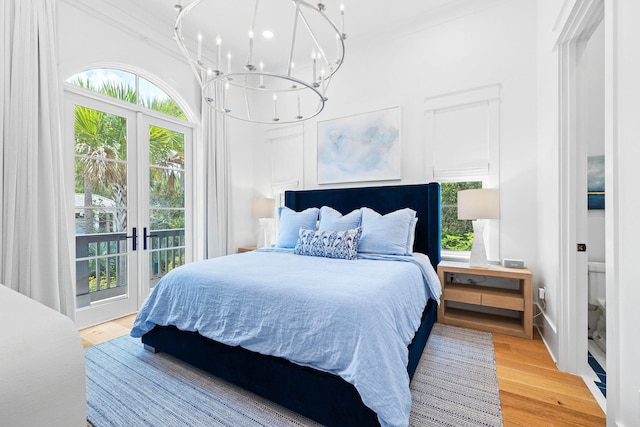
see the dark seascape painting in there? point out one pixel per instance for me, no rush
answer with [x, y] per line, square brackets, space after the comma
[595, 182]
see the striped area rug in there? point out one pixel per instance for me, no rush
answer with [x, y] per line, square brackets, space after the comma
[455, 385]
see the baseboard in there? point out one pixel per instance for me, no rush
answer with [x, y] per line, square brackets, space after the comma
[548, 332]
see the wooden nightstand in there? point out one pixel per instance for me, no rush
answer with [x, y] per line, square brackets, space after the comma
[246, 249]
[494, 299]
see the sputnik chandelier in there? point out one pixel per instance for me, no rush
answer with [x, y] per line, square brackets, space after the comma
[269, 61]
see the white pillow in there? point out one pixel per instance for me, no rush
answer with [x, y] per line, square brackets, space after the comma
[332, 220]
[291, 222]
[391, 234]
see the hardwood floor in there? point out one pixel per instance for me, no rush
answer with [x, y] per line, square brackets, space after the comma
[533, 392]
[106, 331]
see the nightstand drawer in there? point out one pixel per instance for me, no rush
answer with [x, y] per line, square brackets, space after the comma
[503, 301]
[462, 295]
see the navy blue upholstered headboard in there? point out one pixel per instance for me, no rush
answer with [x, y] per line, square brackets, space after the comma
[422, 198]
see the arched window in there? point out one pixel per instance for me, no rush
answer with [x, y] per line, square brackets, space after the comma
[128, 87]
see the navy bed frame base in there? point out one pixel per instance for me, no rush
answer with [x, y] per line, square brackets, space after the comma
[323, 397]
[320, 396]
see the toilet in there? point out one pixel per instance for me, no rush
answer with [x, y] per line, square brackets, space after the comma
[597, 304]
[597, 284]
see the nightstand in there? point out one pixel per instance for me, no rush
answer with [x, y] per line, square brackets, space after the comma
[494, 299]
[246, 249]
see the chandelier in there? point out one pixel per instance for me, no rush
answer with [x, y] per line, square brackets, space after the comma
[267, 62]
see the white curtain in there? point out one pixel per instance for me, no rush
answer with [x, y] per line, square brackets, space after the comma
[217, 183]
[36, 256]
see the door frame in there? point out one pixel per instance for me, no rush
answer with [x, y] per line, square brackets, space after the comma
[573, 295]
[137, 125]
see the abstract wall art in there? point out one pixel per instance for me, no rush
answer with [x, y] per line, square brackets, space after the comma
[358, 148]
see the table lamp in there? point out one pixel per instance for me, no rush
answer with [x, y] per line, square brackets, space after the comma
[478, 205]
[262, 208]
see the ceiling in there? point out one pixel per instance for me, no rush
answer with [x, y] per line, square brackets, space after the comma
[365, 20]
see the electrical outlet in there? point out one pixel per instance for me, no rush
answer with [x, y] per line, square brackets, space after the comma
[542, 293]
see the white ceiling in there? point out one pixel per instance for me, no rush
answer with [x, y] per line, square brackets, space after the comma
[364, 19]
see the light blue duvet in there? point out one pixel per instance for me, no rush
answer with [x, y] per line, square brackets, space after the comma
[350, 318]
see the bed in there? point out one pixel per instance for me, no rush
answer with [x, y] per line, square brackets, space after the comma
[328, 394]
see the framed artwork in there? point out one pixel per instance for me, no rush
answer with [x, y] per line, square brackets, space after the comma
[362, 147]
[595, 182]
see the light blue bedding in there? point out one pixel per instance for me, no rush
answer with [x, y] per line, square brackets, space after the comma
[350, 318]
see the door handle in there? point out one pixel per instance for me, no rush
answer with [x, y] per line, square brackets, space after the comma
[144, 242]
[134, 236]
[581, 247]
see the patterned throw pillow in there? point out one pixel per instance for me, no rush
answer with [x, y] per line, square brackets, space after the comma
[329, 244]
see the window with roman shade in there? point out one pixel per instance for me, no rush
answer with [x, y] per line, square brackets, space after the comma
[462, 140]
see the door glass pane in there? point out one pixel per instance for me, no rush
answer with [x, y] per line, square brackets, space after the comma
[100, 205]
[166, 201]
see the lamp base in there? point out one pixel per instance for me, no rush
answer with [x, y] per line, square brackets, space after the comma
[478, 256]
[264, 233]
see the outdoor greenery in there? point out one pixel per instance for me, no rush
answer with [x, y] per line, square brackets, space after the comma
[457, 235]
[101, 176]
[101, 153]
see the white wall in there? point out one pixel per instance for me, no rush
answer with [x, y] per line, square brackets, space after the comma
[622, 151]
[495, 45]
[548, 196]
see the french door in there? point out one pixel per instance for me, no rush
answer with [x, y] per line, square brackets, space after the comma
[131, 203]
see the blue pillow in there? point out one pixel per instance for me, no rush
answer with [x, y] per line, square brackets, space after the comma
[332, 220]
[291, 222]
[391, 234]
[330, 244]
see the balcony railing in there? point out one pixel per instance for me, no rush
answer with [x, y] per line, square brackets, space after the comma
[101, 262]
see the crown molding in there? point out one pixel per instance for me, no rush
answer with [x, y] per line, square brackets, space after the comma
[128, 20]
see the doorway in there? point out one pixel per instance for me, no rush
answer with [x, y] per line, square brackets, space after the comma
[594, 134]
[131, 210]
[581, 119]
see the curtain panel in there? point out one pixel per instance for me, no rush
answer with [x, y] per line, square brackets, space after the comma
[36, 255]
[217, 173]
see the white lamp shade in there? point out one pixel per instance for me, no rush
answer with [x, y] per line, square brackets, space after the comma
[482, 203]
[262, 207]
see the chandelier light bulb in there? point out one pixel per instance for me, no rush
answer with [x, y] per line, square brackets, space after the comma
[219, 51]
[261, 74]
[199, 47]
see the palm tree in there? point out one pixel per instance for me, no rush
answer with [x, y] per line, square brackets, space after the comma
[101, 146]
[101, 150]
